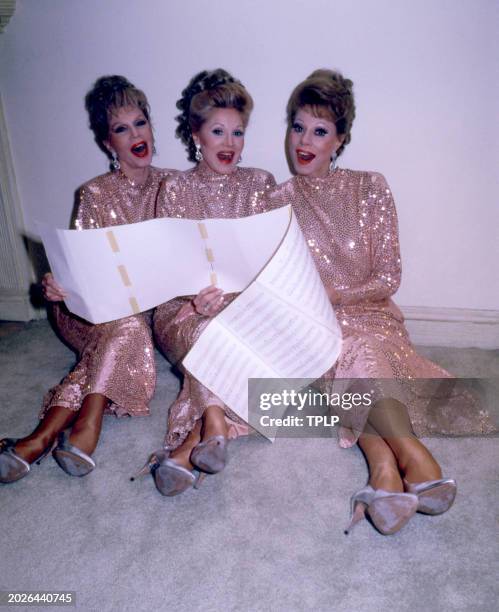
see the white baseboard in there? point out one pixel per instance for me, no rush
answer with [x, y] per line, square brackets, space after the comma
[15, 306]
[427, 326]
[457, 327]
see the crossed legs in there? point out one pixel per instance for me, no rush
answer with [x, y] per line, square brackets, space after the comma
[392, 450]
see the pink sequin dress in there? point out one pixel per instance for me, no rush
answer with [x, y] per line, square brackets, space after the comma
[200, 193]
[115, 359]
[350, 223]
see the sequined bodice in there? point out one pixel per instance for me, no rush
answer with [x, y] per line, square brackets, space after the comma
[200, 193]
[350, 224]
[112, 199]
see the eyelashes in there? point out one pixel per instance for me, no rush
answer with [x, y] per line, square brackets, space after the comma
[320, 131]
[220, 132]
[120, 129]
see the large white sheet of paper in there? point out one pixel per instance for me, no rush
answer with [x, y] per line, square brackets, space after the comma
[114, 272]
[282, 326]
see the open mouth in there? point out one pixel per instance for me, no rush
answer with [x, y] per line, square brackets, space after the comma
[140, 149]
[304, 157]
[225, 157]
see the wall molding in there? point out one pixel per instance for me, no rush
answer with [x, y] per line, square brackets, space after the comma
[16, 306]
[427, 326]
[7, 8]
[456, 327]
[16, 271]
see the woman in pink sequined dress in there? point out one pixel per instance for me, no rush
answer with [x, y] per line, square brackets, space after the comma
[215, 110]
[349, 220]
[115, 371]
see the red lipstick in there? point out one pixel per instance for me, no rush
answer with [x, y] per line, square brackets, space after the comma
[140, 149]
[304, 157]
[225, 157]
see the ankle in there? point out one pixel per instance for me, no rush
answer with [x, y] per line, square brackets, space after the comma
[32, 448]
[386, 477]
[420, 471]
[85, 435]
[415, 461]
[214, 423]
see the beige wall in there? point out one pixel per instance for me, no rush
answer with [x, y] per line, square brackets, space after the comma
[426, 81]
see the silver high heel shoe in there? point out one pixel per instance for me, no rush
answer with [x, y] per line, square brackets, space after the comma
[169, 477]
[71, 459]
[388, 511]
[434, 496]
[211, 455]
[12, 466]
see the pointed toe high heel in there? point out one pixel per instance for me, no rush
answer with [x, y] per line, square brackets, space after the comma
[434, 496]
[169, 477]
[71, 459]
[12, 466]
[388, 511]
[211, 455]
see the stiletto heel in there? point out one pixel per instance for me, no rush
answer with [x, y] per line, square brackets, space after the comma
[169, 477]
[388, 511]
[148, 467]
[71, 459]
[357, 514]
[12, 466]
[211, 455]
[434, 496]
[199, 479]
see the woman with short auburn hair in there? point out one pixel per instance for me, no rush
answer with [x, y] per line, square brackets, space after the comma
[115, 371]
[349, 220]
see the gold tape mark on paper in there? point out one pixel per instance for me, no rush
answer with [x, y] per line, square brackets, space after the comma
[113, 243]
[135, 305]
[213, 278]
[203, 231]
[124, 276]
[209, 255]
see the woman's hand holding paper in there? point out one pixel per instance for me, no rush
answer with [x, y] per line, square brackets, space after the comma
[209, 301]
[51, 290]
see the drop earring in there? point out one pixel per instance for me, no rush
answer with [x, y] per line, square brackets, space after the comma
[154, 152]
[332, 164]
[199, 154]
[115, 162]
[240, 159]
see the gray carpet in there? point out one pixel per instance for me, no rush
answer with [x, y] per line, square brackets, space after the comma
[265, 534]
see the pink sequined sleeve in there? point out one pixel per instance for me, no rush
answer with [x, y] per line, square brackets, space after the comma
[88, 213]
[386, 267]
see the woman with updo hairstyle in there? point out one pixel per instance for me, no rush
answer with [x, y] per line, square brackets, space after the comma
[349, 220]
[215, 109]
[115, 371]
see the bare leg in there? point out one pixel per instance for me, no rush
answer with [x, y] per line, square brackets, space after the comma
[86, 430]
[211, 454]
[56, 420]
[391, 420]
[383, 469]
[182, 454]
[214, 423]
[211, 424]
